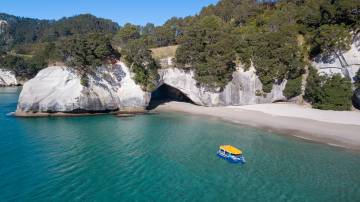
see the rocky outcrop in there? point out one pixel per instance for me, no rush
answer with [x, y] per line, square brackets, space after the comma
[346, 63]
[111, 88]
[7, 78]
[3, 26]
[59, 89]
[356, 99]
[244, 89]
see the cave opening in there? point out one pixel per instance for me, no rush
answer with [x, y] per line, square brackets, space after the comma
[166, 93]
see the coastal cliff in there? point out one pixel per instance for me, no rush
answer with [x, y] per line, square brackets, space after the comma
[346, 63]
[7, 78]
[59, 89]
[244, 89]
[112, 87]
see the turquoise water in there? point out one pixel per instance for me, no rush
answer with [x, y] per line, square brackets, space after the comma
[161, 158]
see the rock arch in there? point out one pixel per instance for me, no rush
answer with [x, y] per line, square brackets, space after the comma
[167, 93]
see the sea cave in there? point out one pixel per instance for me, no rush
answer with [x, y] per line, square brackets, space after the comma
[166, 93]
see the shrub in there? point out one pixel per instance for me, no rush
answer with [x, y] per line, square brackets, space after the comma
[328, 92]
[293, 88]
[127, 33]
[142, 64]
[313, 85]
[24, 68]
[84, 81]
[336, 94]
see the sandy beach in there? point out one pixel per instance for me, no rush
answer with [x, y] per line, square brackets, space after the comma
[341, 129]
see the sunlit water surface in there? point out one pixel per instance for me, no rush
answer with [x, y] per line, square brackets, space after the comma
[163, 157]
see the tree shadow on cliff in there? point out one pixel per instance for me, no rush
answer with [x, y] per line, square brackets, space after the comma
[166, 93]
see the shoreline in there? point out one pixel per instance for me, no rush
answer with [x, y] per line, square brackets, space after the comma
[339, 129]
[338, 134]
[56, 114]
[124, 113]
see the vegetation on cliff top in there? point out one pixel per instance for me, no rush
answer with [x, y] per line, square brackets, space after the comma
[265, 35]
[85, 53]
[141, 62]
[88, 51]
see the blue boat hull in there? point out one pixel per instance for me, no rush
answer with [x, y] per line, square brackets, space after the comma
[232, 159]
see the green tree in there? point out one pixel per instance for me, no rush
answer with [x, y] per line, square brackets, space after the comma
[24, 68]
[336, 94]
[313, 85]
[25, 31]
[141, 62]
[293, 88]
[233, 11]
[127, 33]
[275, 55]
[148, 29]
[207, 48]
[328, 92]
[329, 39]
[88, 51]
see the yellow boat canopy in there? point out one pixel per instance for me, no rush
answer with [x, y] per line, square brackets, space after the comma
[231, 149]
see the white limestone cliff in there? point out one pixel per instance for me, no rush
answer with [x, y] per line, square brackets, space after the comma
[7, 78]
[244, 89]
[346, 63]
[59, 89]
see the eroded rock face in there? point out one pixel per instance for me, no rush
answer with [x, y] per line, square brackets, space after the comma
[59, 89]
[7, 78]
[345, 63]
[244, 89]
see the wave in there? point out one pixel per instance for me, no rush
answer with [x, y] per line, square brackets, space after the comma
[10, 114]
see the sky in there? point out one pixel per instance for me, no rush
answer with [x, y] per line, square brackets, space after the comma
[137, 12]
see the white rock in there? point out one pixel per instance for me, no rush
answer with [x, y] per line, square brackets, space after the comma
[346, 63]
[3, 26]
[7, 78]
[59, 89]
[244, 88]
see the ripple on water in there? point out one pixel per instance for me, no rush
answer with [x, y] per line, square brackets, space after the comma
[163, 157]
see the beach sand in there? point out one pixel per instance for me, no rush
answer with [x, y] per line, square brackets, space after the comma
[335, 128]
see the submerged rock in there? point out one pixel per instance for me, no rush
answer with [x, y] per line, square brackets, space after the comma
[59, 89]
[7, 78]
[244, 89]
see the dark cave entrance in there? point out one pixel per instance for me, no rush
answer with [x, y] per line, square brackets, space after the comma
[166, 93]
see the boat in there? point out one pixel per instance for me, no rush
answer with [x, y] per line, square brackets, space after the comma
[231, 154]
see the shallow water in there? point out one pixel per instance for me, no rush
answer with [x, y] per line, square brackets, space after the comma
[163, 157]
